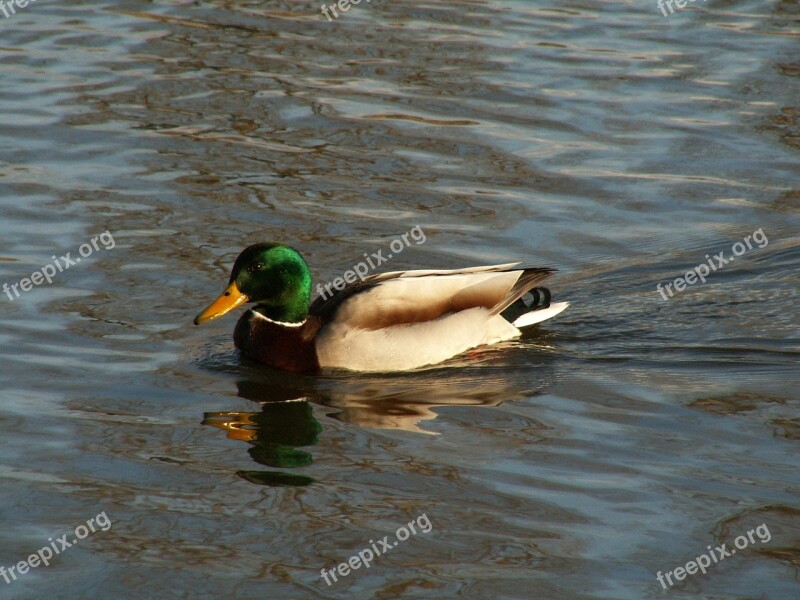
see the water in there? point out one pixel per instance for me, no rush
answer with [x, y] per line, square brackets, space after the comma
[618, 440]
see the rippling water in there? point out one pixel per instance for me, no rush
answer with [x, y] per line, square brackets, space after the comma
[616, 441]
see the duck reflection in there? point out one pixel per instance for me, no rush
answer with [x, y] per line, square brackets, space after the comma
[406, 404]
[285, 422]
[275, 434]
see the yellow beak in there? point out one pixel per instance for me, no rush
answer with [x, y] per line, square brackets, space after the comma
[227, 301]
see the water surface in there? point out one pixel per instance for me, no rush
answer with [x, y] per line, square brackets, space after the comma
[615, 441]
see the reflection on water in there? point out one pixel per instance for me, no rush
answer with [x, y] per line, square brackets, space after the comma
[286, 420]
[275, 434]
[284, 424]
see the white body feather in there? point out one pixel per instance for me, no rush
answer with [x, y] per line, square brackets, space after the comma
[402, 347]
[353, 341]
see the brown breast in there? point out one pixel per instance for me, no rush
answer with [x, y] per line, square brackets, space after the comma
[276, 345]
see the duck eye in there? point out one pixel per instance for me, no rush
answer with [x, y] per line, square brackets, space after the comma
[256, 267]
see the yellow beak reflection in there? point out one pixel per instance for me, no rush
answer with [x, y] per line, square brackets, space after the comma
[227, 301]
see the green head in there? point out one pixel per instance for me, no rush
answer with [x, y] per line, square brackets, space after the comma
[273, 276]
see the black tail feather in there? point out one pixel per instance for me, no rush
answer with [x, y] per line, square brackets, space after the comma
[534, 299]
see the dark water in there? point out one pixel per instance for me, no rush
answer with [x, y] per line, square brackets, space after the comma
[618, 440]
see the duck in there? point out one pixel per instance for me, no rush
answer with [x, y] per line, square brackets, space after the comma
[394, 321]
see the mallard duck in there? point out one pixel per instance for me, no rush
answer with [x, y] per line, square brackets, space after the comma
[388, 322]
